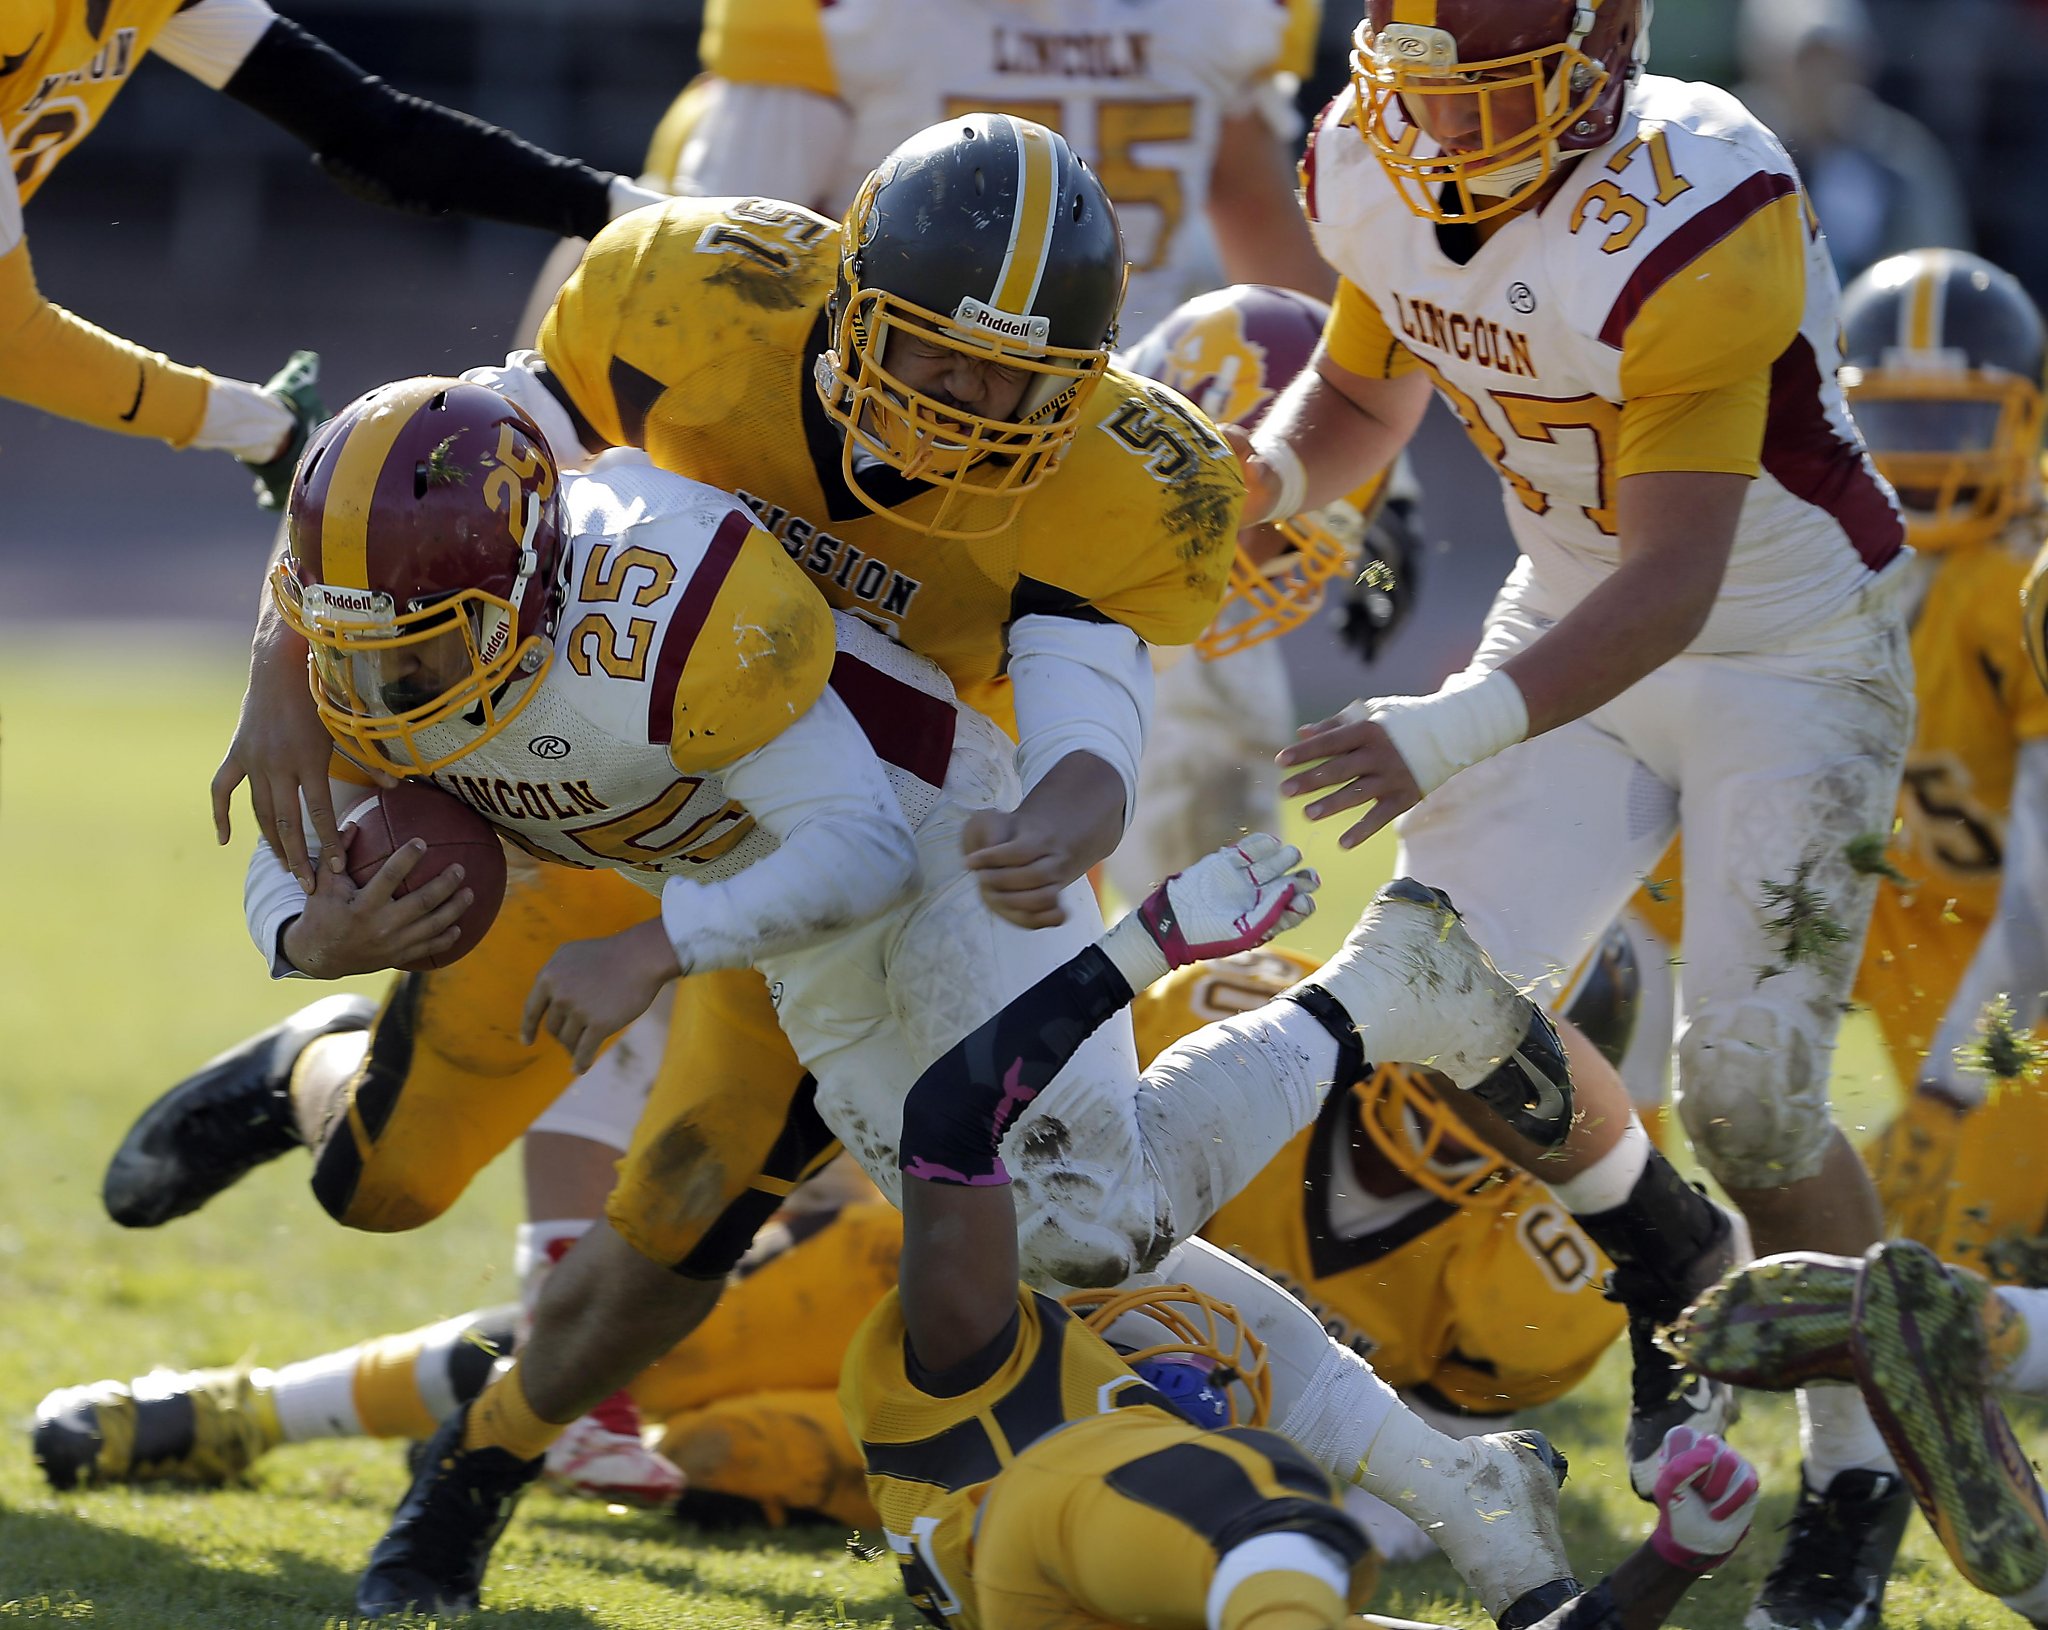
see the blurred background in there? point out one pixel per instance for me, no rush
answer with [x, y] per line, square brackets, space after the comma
[191, 225]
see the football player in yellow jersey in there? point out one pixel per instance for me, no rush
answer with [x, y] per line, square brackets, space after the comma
[63, 61]
[1944, 367]
[1945, 360]
[1029, 1473]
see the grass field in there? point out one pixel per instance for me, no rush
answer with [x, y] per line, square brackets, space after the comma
[123, 962]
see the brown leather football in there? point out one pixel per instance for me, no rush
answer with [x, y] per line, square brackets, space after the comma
[454, 834]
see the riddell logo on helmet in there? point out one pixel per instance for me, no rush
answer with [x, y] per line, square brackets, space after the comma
[326, 600]
[1032, 330]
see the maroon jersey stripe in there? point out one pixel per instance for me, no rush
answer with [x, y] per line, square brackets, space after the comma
[907, 727]
[1815, 462]
[1714, 223]
[688, 622]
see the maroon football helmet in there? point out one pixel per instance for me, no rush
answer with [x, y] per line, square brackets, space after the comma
[422, 539]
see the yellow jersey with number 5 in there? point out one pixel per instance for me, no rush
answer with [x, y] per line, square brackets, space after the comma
[691, 330]
[1671, 308]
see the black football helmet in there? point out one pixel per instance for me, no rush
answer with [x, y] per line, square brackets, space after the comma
[1943, 356]
[985, 235]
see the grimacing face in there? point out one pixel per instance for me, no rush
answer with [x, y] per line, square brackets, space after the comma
[954, 378]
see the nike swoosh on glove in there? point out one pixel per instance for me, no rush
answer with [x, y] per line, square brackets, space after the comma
[1706, 1499]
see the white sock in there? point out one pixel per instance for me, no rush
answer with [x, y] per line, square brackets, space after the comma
[316, 1398]
[1274, 1553]
[2028, 1373]
[1611, 1179]
[1219, 1104]
[1836, 1434]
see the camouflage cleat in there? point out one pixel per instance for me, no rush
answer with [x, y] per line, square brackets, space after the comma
[203, 1427]
[1923, 1341]
[1773, 1324]
[297, 384]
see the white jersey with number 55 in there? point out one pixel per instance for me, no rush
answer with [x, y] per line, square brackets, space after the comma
[1140, 89]
[1671, 308]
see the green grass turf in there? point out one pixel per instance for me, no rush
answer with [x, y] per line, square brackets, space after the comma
[124, 963]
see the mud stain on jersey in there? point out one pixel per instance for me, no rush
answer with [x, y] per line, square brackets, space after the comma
[759, 286]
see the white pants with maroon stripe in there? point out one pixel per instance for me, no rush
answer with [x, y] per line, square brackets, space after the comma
[1773, 764]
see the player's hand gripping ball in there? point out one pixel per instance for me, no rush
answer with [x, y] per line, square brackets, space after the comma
[455, 835]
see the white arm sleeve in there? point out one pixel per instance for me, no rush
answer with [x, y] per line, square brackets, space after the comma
[271, 896]
[770, 141]
[212, 38]
[10, 211]
[2012, 958]
[1080, 687]
[516, 381]
[846, 852]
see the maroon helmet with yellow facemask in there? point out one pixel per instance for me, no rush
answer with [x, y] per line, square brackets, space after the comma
[1229, 352]
[423, 535]
[1471, 106]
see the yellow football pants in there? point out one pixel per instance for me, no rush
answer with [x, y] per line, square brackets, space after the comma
[1119, 1519]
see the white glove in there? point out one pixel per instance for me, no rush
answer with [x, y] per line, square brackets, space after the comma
[626, 196]
[1233, 900]
[1706, 1499]
[246, 421]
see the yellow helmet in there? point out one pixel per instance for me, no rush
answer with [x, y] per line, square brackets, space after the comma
[1943, 357]
[1229, 352]
[1405, 1117]
[1187, 1345]
[1471, 106]
[983, 236]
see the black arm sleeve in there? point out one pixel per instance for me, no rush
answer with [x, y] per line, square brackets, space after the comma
[402, 151]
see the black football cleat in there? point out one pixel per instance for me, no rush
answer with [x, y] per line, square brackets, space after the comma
[432, 1557]
[216, 1126]
[1837, 1557]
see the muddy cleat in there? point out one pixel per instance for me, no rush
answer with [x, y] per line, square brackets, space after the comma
[203, 1427]
[602, 1456]
[1508, 1548]
[432, 1557]
[1922, 1344]
[1838, 1555]
[1419, 990]
[218, 1125]
[1773, 1324]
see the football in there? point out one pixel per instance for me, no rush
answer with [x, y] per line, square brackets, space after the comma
[454, 835]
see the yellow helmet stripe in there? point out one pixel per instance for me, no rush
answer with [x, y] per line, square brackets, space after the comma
[345, 523]
[1422, 13]
[1923, 308]
[1031, 222]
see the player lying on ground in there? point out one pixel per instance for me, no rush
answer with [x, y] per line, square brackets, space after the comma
[1930, 1347]
[1613, 280]
[1470, 1288]
[1134, 1487]
[376, 141]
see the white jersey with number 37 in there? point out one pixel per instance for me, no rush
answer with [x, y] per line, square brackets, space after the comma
[1671, 308]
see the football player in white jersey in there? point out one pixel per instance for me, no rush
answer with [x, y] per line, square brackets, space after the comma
[1183, 107]
[464, 601]
[1615, 281]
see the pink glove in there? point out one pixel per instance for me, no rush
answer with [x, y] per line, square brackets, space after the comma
[1706, 1498]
